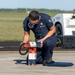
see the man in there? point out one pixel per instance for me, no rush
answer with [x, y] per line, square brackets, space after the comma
[44, 31]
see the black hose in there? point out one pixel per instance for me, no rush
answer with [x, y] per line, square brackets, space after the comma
[20, 49]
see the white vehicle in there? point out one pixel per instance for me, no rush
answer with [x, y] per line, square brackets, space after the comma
[65, 29]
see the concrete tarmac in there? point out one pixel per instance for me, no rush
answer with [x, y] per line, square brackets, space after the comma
[12, 63]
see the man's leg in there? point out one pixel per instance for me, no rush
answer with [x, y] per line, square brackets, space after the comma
[39, 59]
[47, 49]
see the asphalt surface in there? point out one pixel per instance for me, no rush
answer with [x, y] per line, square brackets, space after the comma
[12, 63]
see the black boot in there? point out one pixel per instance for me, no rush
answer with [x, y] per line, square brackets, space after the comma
[50, 61]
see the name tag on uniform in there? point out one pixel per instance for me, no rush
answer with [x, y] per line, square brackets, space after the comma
[42, 25]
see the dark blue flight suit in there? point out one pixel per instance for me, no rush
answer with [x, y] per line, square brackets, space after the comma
[40, 30]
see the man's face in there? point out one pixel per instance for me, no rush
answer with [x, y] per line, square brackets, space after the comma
[34, 21]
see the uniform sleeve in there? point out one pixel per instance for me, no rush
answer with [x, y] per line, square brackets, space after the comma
[49, 22]
[25, 24]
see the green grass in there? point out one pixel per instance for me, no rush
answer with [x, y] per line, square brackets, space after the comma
[13, 14]
[12, 31]
[11, 21]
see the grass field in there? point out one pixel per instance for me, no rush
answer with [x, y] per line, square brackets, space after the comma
[11, 28]
[11, 31]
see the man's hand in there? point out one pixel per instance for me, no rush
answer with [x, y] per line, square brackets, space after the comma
[41, 40]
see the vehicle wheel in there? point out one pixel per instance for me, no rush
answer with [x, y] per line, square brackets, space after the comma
[59, 35]
[58, 29]
[59, 42]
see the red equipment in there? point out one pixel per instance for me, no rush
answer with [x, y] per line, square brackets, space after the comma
[31, 49]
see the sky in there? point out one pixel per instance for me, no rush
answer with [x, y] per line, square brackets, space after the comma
[47, 4]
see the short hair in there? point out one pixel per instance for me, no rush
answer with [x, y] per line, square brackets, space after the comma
[34, 15]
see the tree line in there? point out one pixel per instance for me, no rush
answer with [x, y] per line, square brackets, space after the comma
[28, 9]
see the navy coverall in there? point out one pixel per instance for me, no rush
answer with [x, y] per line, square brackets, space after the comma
[40, 30]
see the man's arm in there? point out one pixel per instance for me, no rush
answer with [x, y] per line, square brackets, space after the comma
[26, 36]
[26, 31]
[52, 30]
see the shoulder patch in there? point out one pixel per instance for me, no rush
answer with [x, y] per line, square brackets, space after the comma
[30, 25]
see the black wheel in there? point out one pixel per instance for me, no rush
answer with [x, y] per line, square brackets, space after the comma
[58, 29]
[59, 35]
[59, 42]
